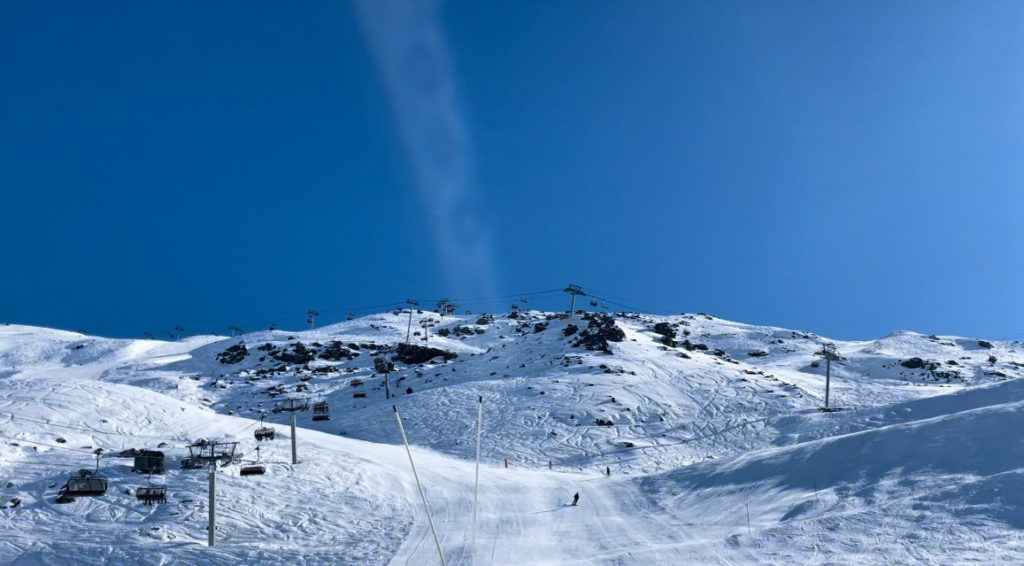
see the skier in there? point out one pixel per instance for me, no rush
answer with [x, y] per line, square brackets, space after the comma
[575, 499]
[607, 470]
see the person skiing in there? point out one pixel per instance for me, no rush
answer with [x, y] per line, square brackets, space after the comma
[575, 499]
[607, 470]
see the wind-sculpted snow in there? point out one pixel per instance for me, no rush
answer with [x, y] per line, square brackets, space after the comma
[715, 446]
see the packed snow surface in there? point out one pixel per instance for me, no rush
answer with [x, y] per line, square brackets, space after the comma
[690, 440]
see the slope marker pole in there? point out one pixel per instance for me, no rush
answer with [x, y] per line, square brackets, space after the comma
[419, 485]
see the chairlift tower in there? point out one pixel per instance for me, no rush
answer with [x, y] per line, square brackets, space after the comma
[828, 351]
[234, 329]
[383, 364]
[573, 290]
[412, 303]
[426, 324]
[211, 453]
[293, 406]
[311, 318]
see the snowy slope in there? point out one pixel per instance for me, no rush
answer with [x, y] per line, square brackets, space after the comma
[920, 466]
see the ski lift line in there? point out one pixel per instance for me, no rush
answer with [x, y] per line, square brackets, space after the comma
[607, 297]
[498, 297]
[623, 305]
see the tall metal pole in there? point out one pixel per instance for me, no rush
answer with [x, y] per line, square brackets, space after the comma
[828, 377]
[419, 485]
[408, 332]
[295, 458]
[572, 304]
[387, 386]
[476, 484]
[213, 502]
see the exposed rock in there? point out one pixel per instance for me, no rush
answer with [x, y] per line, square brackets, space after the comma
[233, 354]
[413, 354]
[600, 330]
[913, 363]
[297, 354]
[691, 346]
[570, 329]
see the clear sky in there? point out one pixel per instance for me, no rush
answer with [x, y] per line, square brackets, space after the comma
[848, 168]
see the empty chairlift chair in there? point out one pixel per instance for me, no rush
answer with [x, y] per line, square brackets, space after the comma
[151, 494]
[254, 469]
[321, 412]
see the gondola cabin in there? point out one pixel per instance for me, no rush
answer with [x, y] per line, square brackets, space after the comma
[149, 462]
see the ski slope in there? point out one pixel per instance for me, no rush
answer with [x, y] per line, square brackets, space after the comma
[717, 450]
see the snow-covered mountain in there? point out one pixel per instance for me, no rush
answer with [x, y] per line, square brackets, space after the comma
[710, 430]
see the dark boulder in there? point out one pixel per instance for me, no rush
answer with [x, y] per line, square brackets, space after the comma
[412, 354]
[233, 354]
[601, 329]
[335, 352]
[297, 354]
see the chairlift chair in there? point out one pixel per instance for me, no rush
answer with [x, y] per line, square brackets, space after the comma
[321, 411]
[264, 432]
[151, 494]
[87, 484]
[254, 469]
[593, 302]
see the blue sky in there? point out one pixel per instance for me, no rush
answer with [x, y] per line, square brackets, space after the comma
[849, 168]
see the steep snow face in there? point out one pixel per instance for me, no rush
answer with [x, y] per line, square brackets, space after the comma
[710, 430]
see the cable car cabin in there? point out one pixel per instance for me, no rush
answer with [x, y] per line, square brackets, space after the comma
[149, 462]
[150, 495]
[321, 412]
[253, 470]
[85, 485]
[264, 433]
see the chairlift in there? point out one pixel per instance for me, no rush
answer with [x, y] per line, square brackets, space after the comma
[593, 302]
[87, 484]
[151, 494]
[522, 299]
[321, 411]
[264, 432]
[254, 469]
[604, 305]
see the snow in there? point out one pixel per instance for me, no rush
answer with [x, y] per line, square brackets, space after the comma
[716, 456]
